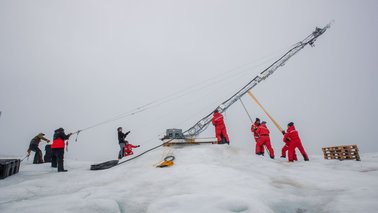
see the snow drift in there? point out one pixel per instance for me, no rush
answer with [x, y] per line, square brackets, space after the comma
[205, 178]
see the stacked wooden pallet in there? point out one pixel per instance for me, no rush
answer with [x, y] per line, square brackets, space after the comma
[9, 167]
[347, 152]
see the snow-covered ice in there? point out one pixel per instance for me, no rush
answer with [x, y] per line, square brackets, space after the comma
[205, 178]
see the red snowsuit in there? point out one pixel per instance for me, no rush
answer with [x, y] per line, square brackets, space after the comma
[220, 128]
[129, 149]
[285, 148]
[264, 139]
[295, 142]
[256, 136]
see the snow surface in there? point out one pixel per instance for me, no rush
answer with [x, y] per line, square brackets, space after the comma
[205, 178]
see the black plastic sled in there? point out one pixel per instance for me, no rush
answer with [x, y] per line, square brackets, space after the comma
[105, 165]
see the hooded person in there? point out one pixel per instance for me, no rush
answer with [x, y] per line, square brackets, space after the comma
[295, 142]
[220, 128]
[33, 146]
[263, 140]
[57, 149]
[254, 128]
[129, 148]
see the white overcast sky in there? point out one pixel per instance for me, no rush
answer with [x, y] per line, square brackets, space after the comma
[73, 64]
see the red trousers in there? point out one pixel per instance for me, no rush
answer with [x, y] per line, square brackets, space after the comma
[220, 130]
[262, 150]
[127, 153]
[285, 148]
[264, 141]
[292, 146]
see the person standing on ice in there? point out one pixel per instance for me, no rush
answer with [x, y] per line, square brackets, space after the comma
[254, 128]
[264, 140]
[122, 142]
[295, 142]
[33, 146]
[220, 128]
[57, 148]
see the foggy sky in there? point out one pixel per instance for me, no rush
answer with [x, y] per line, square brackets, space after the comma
[73, 64]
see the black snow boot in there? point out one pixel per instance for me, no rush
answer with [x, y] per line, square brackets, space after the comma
[305, 157]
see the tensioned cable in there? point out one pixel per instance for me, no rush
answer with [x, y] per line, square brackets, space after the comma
[250, 118]
[174, 96]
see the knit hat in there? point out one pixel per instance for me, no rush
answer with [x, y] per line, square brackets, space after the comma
[257, 119]
[264, 122]
[290, 124]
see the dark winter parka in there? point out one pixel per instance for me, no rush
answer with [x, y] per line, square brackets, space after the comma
[59, 138]
[122, 136]
[37, 139]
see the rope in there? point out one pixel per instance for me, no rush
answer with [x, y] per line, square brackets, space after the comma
[181, 93]
[166, 152]
[27, 156]
[144, 152]
[246, 110]
[140, 154]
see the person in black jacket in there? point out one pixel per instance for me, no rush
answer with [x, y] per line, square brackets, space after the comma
[58, 149]
[122, 142]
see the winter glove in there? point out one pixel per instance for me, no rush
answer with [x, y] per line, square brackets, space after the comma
[127, 132]
[283, 132]
[138, 146]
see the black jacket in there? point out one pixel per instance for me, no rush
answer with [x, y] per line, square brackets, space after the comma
[122, 136]
[59, 133]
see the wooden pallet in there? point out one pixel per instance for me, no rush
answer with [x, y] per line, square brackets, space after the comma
[346, 152]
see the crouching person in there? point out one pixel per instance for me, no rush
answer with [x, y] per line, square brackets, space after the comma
[57, 148]
[129, 148]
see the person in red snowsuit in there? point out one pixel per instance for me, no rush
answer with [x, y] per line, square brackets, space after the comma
[220, 127]
[129, 149]
[255, 135]
[264, 139]
[295, 142]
